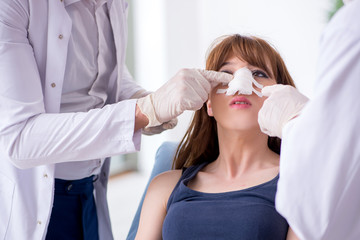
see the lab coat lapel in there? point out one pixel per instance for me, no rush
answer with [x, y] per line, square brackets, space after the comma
[59, 30]
[117, 13]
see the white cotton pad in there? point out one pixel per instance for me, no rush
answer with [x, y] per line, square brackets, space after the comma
[242, 83]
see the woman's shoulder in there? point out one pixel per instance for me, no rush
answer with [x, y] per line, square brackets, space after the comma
[164, 183]
[167, 178]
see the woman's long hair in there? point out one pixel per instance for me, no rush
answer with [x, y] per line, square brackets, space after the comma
[200, 142]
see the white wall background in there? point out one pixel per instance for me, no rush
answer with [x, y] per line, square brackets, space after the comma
[174, 34]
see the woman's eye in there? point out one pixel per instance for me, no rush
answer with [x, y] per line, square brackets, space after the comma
[258, 73]
[227, 71]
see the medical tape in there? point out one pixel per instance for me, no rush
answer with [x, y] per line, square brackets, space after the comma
[242, 83]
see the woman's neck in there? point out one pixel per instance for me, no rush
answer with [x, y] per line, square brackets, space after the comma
[241, 152]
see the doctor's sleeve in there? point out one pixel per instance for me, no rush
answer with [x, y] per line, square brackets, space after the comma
[28, 135]
[318, 190]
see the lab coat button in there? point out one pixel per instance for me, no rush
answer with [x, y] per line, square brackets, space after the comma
[53, 85]
[39, 222]
[69, 187]
[61, 36]
[45, 175]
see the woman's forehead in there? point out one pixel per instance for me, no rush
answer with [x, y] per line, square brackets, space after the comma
[235, 60]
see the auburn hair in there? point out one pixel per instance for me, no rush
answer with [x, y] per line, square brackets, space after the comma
[200, 143]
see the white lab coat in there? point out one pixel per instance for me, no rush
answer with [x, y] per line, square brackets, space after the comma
[34, 37]
[319, 187]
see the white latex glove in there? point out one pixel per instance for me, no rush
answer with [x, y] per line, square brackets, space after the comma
[157, 129]
[187, 90]
[284, 103]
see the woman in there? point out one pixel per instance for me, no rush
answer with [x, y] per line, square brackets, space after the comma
[226, 172]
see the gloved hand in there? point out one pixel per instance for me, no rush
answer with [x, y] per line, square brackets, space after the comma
[284, 103]
[187, 90]
[157, 129]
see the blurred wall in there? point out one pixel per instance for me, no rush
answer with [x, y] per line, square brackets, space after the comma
[174, 34]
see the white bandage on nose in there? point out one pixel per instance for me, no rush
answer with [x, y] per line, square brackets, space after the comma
[242, 83]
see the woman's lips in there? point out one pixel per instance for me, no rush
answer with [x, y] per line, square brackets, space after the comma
[240, 103]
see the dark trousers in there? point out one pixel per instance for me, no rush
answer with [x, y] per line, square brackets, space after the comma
[74, 211]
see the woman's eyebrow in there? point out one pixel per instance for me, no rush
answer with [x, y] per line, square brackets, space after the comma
[260, 68]
[226, 63]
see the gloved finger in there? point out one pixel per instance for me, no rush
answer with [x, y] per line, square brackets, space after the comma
[216, 77]
[268, 90]
[149, 131]
[159, 129]
[170, 124]
[265, 122]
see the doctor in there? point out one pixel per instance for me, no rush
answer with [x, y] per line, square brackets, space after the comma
[65, 106]
[319, 186]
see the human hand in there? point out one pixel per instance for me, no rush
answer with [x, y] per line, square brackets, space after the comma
[156, 129]
[284, 103]
[187, 90]
[159, 129]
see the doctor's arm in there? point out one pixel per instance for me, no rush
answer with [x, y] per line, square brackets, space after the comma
[29, 136]
[318, 190]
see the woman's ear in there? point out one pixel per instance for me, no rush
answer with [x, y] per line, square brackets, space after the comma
[209, 109]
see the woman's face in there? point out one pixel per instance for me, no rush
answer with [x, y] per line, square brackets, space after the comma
[238, 112]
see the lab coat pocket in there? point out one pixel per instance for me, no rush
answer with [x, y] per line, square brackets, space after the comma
[7, 188]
